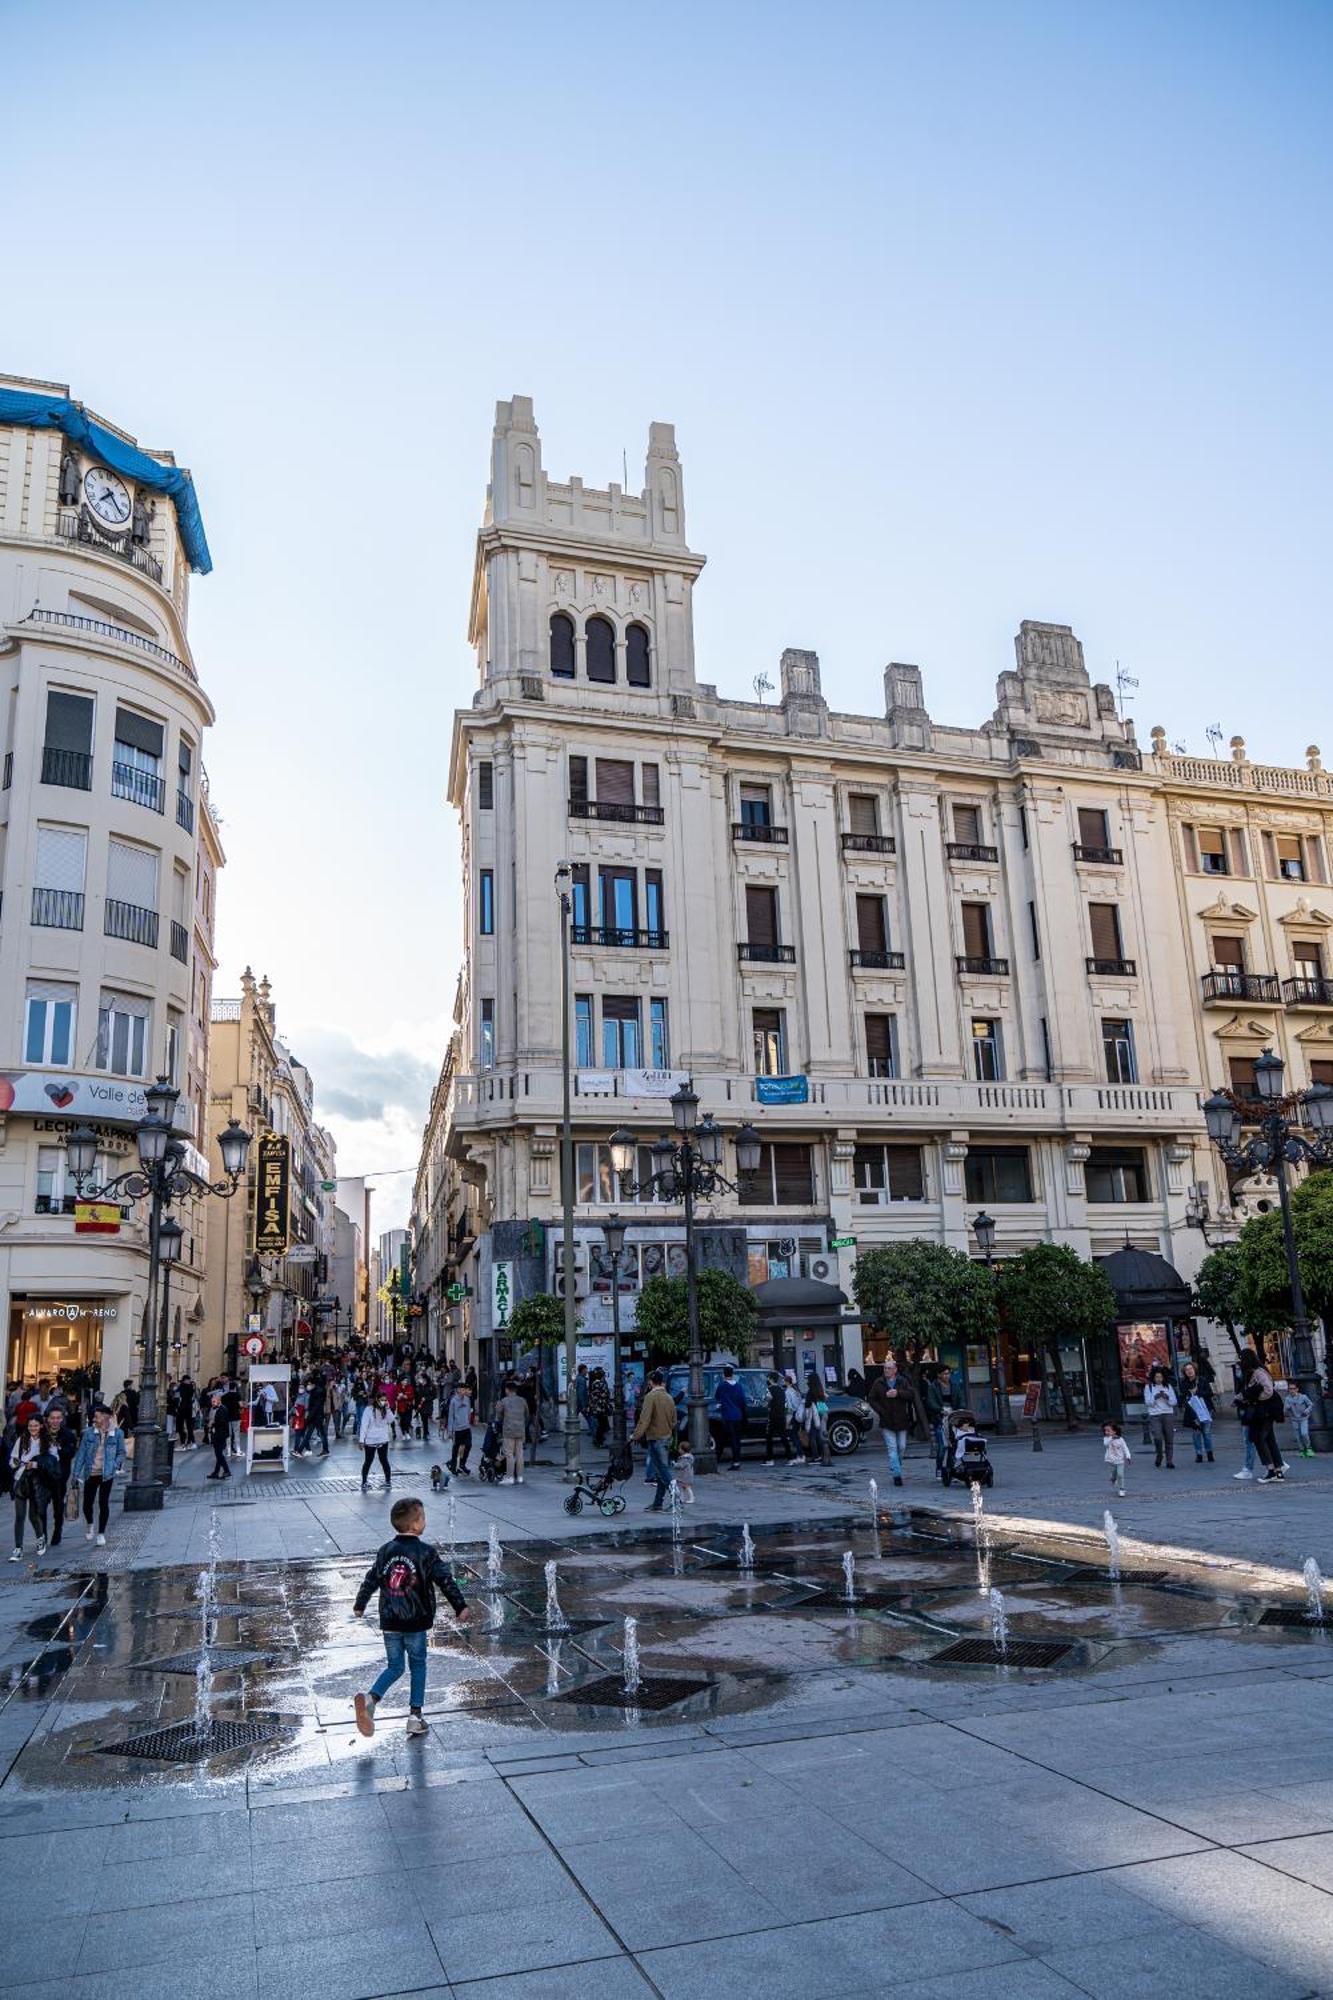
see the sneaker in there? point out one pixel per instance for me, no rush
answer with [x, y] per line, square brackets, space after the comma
[41, 1545]
[364, 1705]
[1244, 1473]
[101, 1541]
[17, 1556]
[417, 1726]
[1271, 1473]
[897, 1479]
[364, 1487]
[519, 1480]
[508, 1479]
[89, 1532]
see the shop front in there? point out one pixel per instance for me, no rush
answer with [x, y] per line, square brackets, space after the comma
[48, 1336]
[1154, 1328]
[801, 1327]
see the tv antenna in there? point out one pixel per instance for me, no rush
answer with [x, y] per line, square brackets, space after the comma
[1123, 680]
[1181, 747]
[762, 686]
[1214, 734]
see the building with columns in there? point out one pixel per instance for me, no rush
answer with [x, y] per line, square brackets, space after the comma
[942, 969]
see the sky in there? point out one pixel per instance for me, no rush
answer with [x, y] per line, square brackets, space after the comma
[964, 313]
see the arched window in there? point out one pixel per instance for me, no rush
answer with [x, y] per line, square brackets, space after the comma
[638, 669]
[562, 646]
[600, 638]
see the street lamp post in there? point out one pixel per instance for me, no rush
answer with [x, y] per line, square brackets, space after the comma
[983, 1228]
[685, 1169]
[1278, 1142]
[564, 877]
[613, 1232]
[163, 1177]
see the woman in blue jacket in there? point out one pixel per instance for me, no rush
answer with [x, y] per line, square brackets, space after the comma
[100, 1456]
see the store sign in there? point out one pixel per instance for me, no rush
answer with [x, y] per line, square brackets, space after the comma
[273, 1195]
[502, 1296]
[42, 1092]
[456, 1293]
[782, 1089]
[79, 1309]
[842, 1243]
[96, 1218]
[630, 1082]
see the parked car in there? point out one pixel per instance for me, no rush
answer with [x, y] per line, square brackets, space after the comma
[849, 1419]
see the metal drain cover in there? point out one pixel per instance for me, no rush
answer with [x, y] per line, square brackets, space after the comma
[184, 1743]
[222, 1658]
[865, 1600]
[655, 1691]
[1295, 1619]
[985, 1653]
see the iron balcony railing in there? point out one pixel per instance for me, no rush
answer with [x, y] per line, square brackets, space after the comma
[73, 768]
[180, 942]
[971, 850]
[869, 843]
[58, 909]
[768, 836]
[185, 811]
[119, 633]
[72, 527]
[766, 954]
[1113, 968]
[878, 961]
[995, 968]
[1233, 985]
[129, 782]
[623, 815]
[620, 937]
[130, 921]
[1313, 992]
[54, 1204]
[1101, 857]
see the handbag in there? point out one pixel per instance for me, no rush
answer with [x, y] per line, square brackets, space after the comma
[72, 1497]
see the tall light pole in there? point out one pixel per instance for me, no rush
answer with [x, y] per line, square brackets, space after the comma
[564, 877]
[613, 1233]
[983, 1228]
[685, 1168]
[1278, 1142]
[164, 1178]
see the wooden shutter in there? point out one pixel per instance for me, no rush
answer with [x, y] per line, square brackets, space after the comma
[906, 1182]
[793, 1174]
[1309, 957]
[976, 930]
[967, 824]
[1229, 953]
[879, 1041]
[1105, 920]
[761, 915]
[649, 786]
[871, 932]
[578, 780]
[1241, 1071]
[1091, 827]
[1240, 859]
[615, 782]
[1322, 1072]
[862, 814]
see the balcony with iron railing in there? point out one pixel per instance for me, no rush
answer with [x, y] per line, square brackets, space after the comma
[75, 526]
[877, 961]
[1228, 984]
[986, 968]
[131, 922]
[869, 843]
[766, 954]
[101, 629]
[71, 768]
[620, 937]
[1113, 968]
[622, 815]
[759, 831]
[1310, 992]
[185, 811]
[970, 850]
[180, 942]
[1098, 857]
[144, 788]
[58, 909]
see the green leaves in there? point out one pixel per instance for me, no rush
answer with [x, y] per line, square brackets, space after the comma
[1049, 1293]
[1263, 1290]
[727, 1313]
[540, 1317]
[920, 1293]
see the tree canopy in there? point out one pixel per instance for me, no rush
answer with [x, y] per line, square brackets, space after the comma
[1217, 1289]
[1049, 1293]
[727, 1312]
[1263, 1291]
[918, 1294]
[537, 1318]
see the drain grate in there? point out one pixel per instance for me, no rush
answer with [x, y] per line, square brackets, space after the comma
[985, 1653]
[866, 1600]
[1091, 1573]
[655, 1691]
[223, 1658]
[183, 1743]
[1295, 1620]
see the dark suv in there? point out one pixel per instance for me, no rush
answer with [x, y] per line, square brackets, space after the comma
[849, 1419]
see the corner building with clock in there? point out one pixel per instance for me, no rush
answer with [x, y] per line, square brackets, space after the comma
[109, 861]
[946, 971]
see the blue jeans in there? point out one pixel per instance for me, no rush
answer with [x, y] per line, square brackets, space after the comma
[397, 1647]
[1203, 1440]
[895, 1444]
[937, 1438]
[658, 1467]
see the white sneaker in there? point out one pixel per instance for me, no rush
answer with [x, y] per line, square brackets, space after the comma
[17, 1556]
[417, 1726]
[41, 1545]
[88, 1533]
[508, 1479]
[519, 1480]
[101, 1541]
[1244, 1473]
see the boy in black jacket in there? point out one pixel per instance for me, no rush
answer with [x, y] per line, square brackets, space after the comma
[405, 1572]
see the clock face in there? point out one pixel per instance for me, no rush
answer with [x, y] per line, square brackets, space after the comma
[108, 496]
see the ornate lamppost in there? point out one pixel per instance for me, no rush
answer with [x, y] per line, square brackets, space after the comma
[613, 1234]
[1279, 1141]
[687, 1169]
[983, 1228]
[164, 1179]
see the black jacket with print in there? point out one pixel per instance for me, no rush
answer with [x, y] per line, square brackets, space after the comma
[405, 1572]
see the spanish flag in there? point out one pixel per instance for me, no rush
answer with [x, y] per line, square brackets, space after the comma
[96, 1218]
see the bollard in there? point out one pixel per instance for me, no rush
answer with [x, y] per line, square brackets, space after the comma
[1036, 1436]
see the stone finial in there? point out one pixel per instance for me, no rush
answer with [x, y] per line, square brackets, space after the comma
[1238, 750]
[247, 981]
[1050, 653]
[1313, 760]
[1158, 740]
[662, 441]
[903, 688]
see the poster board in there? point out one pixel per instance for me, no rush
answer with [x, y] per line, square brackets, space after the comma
[268, 1417]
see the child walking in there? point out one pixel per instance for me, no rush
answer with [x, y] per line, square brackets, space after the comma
[1117, 1455]
[405, 1572]
[683, 1467]
[1299, 1410]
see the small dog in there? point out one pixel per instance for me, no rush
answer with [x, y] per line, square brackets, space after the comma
[438, 1482]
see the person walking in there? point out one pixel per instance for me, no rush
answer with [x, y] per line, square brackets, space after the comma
[1196, 1406]
[34, 1469]
[514, 1414]
[1299, 1410]
[405, 1573]
[891, 1401]
[1263, 1407]
[731, 1414]
[599, 1405]
[373, 1433]
[814, 1420]
[1159, 1404]
[458, 1427]
[64, 1443]
[185, 1412]
[581, 1395]
[937, 1399]
[655, 1428]
[1117, 1455]
[231, 1403]
[219, 1435]
[100, 1456]
[776, 1427]
[317, 1413]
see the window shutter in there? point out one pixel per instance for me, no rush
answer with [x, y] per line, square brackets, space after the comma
[649, 785]
[131, 875]
[1191, 841]
[133, 1004]
[1240, 860]
[879, 1038]
[140, 732]
[906, 1181]
[1322, 1072]
[1314, 858]
[1229, 953]
[1241, 1071]
[1091, 827]
[60, 856]
[485, 786]
[1105, 919]
[615, 782]
[871, 931]
[600, 642]
[862, 814]
[1270, 857]
[578, 780]
[967, 824]
[976, 930]
[1306, 952]
[793, 1174]
[761, 915]
[69, 722]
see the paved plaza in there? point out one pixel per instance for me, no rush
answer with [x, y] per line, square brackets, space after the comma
[825, 1805]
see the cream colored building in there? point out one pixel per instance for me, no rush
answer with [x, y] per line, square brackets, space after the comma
[942, 969]
[106, 841]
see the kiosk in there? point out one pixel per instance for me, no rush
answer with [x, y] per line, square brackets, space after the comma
[268, 1428]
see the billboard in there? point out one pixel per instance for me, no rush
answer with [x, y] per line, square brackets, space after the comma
[272, 1193]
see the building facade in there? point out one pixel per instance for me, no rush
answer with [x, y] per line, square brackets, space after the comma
[106, 839]
[941, 969]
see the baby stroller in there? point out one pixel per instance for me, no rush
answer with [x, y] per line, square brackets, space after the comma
[491, 1465]
[965, 1459]
[599, 1492]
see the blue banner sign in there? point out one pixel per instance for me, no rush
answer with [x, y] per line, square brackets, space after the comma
[782, 1089]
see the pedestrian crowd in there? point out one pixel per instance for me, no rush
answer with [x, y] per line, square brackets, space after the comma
[60, 1453]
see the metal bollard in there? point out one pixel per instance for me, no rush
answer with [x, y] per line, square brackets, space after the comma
[1036, 1436]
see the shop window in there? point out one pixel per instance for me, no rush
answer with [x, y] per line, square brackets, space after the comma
[998, 1173]
[1116, 1174]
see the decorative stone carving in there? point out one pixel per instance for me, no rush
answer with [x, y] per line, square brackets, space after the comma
[953, 1153]
[1059, 708]
[1077, 1151]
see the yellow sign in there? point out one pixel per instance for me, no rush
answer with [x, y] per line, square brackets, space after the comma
[272, 1193]
[96, 1218]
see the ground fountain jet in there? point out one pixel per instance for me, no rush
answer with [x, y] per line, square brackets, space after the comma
[1314, 1591]
[453, 1525]
[999, 1623]
[747, 1546]
[207, 1592]
[874, 1512]
[849, 1578]
[632, 1679]
[673, 1502]
[1112, 1534]
[494, 1557]
[556, 1620]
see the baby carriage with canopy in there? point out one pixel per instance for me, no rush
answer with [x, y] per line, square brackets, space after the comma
[965, 1456]
[491, 1465]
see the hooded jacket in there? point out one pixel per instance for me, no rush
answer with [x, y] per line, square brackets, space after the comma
[405, 1572]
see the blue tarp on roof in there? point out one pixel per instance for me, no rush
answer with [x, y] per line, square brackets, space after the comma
[56, 413]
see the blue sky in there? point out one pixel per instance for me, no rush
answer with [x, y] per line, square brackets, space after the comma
[964, 313]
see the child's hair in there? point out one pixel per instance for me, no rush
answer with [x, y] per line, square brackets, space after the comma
[403, 1511]
[1113, 1428]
